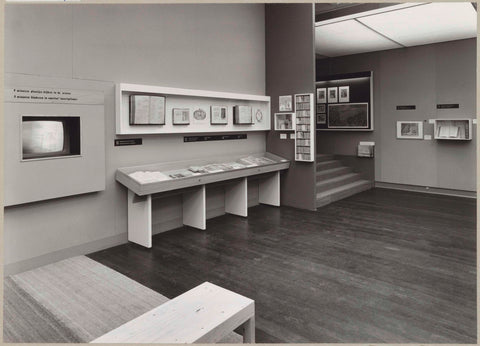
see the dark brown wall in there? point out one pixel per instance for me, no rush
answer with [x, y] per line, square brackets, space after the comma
[290, 69]
[422, 76]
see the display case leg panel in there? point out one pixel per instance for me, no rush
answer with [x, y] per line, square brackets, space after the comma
[140, 219]
[195, 208]
[236, 198]
[249, 331]
[269, 190]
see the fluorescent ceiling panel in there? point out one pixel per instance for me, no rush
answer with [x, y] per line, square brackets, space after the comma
[348, 37]
[429, 23]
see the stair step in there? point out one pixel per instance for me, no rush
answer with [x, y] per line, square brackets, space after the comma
[324, 157]
[337, 193]
[328, 164]
[333, 172]
[328, 184]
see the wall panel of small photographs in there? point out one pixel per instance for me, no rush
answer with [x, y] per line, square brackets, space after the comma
[343, 102]
[304, 129]
[159, 110]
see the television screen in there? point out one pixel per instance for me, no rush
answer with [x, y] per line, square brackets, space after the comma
[42, 137]
[50, 136]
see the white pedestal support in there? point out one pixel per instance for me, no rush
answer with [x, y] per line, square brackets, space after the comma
[195, 208]
[236, 198]
[269, 190]
[140, 219]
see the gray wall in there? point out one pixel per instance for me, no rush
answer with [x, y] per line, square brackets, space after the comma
[290, 64]
[212, 47]
[423, 76]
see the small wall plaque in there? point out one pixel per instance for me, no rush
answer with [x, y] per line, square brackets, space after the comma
[406, 107]
[448, 105]
[127, 141]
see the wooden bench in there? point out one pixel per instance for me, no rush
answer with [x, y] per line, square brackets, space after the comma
[205, 314]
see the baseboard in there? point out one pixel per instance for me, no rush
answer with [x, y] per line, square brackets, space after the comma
[426, 189]
[31, 263]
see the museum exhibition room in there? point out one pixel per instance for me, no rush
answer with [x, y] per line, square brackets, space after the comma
[239, 173]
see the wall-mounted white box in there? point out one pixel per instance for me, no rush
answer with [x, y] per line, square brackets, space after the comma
[35, 179]
[192, 100]
[453, 129]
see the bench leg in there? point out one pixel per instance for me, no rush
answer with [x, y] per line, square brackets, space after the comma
[249, 331]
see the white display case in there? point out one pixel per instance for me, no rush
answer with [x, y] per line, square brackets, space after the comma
[453, 129]
[195, 101]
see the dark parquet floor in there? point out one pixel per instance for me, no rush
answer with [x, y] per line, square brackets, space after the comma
[381, 266]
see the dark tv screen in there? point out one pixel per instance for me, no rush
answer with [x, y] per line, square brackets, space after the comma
[45, 137]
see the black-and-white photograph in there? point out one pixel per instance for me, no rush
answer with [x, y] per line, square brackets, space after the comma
[285, 103]
[241, 172]
[410, 129]
[344, 94]
[332, 95]
[321, 108]
[321, 118]
[348, 115]
[321, 95]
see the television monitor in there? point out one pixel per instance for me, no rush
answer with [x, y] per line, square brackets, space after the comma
[50, 136]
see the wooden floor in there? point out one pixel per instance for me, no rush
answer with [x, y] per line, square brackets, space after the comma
[381, 266]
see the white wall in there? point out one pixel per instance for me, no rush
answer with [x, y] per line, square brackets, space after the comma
[212, 47]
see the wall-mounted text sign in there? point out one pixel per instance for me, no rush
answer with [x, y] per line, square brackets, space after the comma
[214, 138]
[448, 105]
[50, 95]
[406, 107]
[128, 141]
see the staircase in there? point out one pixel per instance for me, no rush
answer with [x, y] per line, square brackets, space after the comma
[335, 182]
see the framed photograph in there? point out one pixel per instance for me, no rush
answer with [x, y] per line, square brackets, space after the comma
[285, 103]
[321, 118]
[147, 110]
[284, 121]
[181, 116]
[242, 115]
[321, 95]
[332, 95]
[348, 116]
[410, 129]
[218, 115]
[344, 94]
[321, 108]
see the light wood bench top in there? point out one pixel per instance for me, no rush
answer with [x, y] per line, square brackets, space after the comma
[205, 314]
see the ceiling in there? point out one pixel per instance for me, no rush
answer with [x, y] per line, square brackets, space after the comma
[345, 28]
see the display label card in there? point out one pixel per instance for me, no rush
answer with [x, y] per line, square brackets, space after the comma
[127, 141]
[52, 95]
[431, 121]
[448, 105]
[406, 107]
[427, 137]
[292, 136]
[283, 136]
[474, 121]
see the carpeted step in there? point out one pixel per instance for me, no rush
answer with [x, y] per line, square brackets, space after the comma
[328, 165]
[333, 172]
[324, 157]
[328, 184]
[337, 193]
